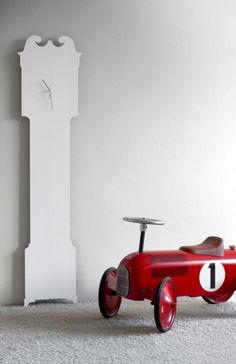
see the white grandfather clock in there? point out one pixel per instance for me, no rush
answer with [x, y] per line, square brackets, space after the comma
[50, 100]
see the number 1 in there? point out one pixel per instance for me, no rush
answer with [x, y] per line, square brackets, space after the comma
[212, 267]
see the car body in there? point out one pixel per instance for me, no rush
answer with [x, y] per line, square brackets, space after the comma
[191, 273]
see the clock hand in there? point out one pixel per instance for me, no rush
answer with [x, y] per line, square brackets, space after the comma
[49, 91]
[50, 96]
[45, 83]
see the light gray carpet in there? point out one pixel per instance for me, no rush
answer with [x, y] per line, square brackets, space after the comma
[68, 333]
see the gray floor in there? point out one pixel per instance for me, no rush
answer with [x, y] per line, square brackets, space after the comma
[70, 333]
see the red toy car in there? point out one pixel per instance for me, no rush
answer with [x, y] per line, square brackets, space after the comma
[206, 270]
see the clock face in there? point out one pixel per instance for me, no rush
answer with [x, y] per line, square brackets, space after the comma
[37, 90]
[49, 78]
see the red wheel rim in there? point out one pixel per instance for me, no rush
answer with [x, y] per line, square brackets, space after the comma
[219, 297]
[110, 300]
[167, 305]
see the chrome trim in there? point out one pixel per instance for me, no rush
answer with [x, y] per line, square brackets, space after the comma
[122, 284]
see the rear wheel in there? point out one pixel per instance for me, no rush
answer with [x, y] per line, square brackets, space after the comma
[165, 305]
[109, 302]
[218, 297]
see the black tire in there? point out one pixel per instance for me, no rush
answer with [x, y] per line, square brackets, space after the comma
[218, 298]
[208, 300]
[109, 302]
[164, 324]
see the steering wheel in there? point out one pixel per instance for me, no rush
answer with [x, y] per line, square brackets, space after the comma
[143, 221]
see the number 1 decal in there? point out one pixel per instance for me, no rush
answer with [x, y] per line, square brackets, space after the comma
[212, 267]
[212, 276]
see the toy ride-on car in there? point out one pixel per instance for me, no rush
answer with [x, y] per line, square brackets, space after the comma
[206, 270]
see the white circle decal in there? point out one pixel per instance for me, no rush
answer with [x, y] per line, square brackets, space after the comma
[212, 276]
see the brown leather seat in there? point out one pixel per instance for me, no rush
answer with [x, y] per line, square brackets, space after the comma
[211, 246]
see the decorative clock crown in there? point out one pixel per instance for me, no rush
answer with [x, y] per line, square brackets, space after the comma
[49, 77]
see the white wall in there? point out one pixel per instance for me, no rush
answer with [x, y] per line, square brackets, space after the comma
[155, 134]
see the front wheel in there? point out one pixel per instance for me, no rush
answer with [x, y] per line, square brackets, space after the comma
[165, 305]
[218, 297]
[109, 302]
